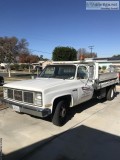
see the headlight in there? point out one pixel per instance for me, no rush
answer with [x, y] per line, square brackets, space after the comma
[38, 96]
[5, 92]
[38, 99]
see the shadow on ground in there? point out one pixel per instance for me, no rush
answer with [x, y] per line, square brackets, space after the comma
[80, 143]
[76, 109]
[84, 106]
[79, 108]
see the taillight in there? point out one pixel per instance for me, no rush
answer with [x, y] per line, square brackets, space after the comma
[118, 75]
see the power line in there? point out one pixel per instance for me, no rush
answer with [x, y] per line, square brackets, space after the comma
[33, 50]
[91, 48]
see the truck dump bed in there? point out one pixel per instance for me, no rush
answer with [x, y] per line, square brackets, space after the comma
[107, 76]
[106, 79]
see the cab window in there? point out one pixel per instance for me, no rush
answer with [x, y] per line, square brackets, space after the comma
[82, 72]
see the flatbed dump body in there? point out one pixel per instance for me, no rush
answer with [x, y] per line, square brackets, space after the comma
[60, 86]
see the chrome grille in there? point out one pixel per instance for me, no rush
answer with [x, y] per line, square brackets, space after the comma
[28, 97]
[10, 93]
[18, 95]
[22, 96]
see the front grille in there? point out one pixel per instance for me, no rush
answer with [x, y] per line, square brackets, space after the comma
[18, 95]
[28, 97]
[10, 93]
[22, 96]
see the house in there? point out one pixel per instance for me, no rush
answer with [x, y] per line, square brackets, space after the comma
[45, 63]
[41, 64]
[3, 65]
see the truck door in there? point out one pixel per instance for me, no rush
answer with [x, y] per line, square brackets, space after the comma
[85, 89]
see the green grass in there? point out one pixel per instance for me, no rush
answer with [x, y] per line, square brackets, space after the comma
[18, 77]
[12, 79]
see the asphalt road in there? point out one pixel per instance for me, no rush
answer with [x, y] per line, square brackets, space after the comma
[4, 74]
[92, 132]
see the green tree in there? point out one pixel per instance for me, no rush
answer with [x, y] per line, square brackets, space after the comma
[116, 57]
[15, 66]
[41, 58]
[104, 68]
[64, 54]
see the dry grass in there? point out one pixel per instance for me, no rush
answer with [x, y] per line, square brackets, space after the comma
[14, 79]
[2, 106]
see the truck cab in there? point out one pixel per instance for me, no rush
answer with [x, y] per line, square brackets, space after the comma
[59, 87]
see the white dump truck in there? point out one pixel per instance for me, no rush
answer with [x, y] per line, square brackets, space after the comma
[60, 86]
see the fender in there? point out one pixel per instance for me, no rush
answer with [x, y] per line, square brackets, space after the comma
[62, 95]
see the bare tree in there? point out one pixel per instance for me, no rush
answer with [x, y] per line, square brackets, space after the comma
[85, 53]
[10, 48]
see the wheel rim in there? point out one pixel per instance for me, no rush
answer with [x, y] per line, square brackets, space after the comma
[63, 112]
[112, 93]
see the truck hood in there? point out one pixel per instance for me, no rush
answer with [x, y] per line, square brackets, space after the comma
[38, 84]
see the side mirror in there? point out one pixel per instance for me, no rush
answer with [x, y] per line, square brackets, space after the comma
[90, 79]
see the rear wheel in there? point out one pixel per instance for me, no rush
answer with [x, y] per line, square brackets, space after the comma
[19, 112]
[60, 113]
[111, 93]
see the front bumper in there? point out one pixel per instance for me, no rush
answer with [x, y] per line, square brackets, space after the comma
[35, 111]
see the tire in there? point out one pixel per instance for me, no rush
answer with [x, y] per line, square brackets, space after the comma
[19, 112]
[110, 94]
[59, 116]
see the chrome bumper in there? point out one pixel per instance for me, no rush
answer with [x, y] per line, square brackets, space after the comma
[38, 112]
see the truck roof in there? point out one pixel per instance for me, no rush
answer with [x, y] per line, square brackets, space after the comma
[86, 61]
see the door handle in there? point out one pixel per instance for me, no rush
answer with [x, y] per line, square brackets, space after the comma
[74, 90]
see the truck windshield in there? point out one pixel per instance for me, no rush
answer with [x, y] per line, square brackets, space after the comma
[59, 71]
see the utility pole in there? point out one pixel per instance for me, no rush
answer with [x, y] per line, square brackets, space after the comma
[91, 48]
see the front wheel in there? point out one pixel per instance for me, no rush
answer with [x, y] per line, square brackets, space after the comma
[60, 114]
[111, 93]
